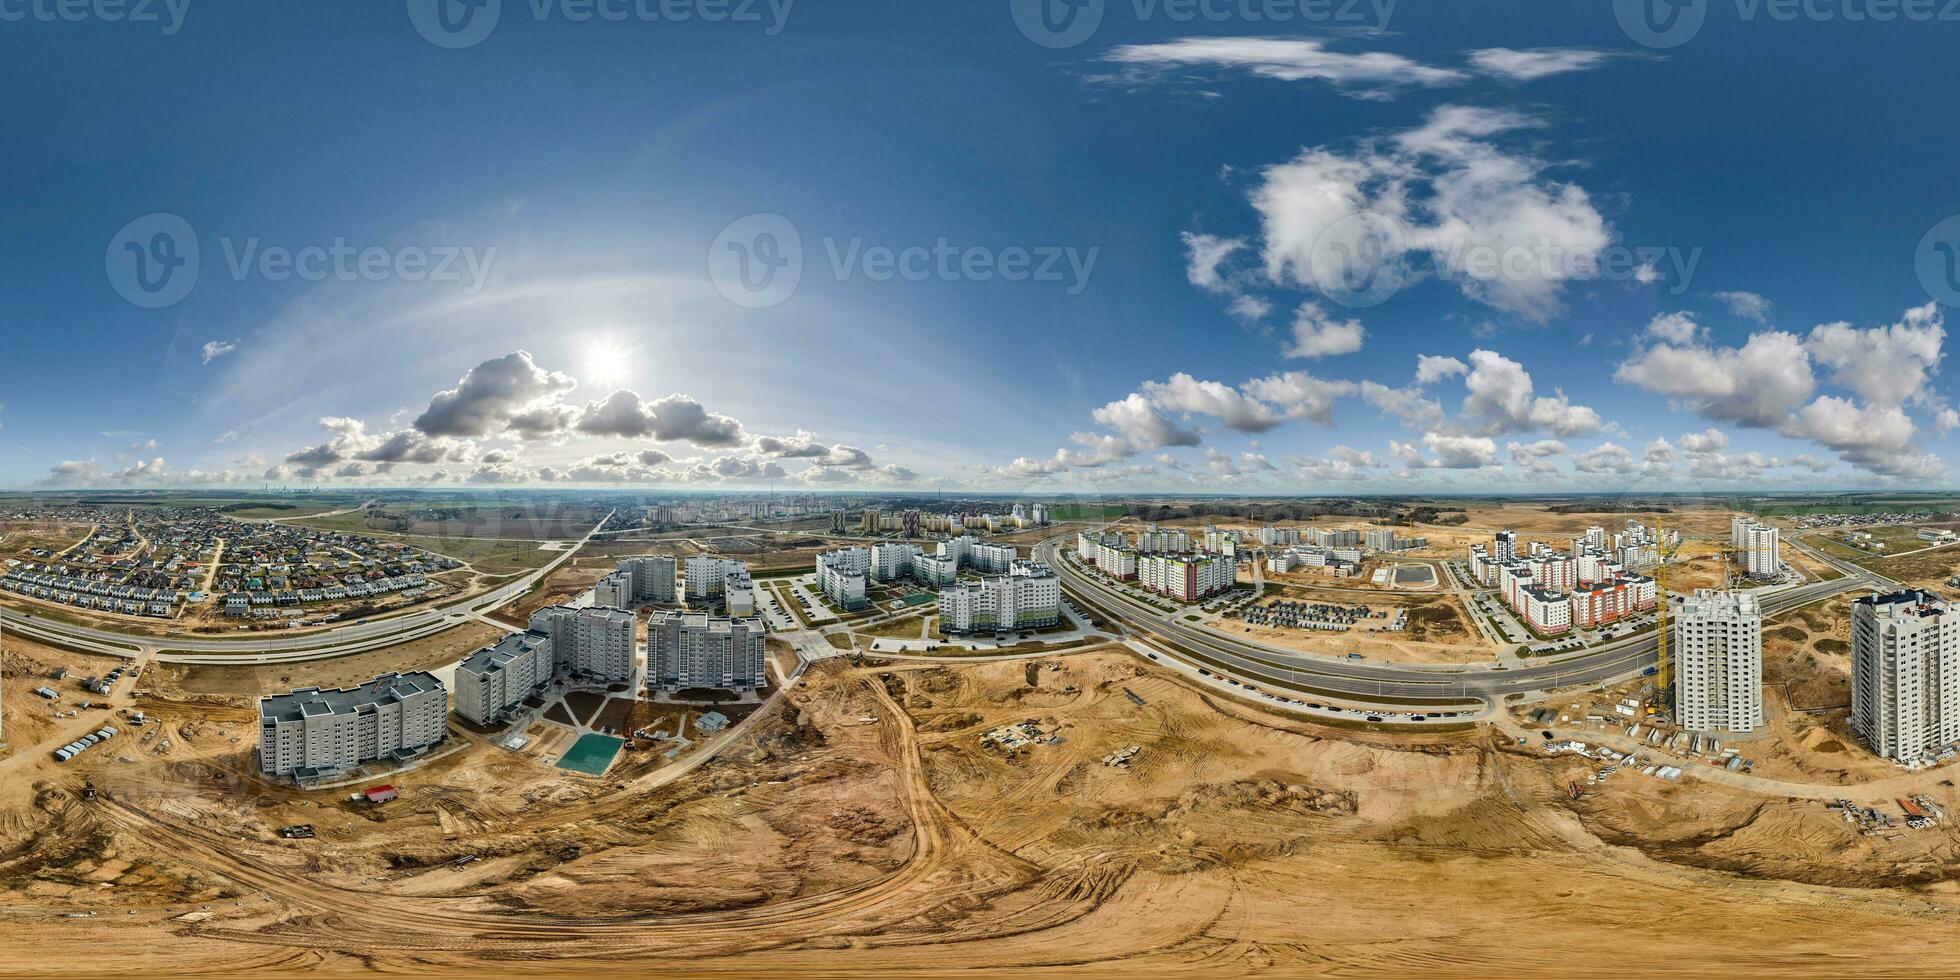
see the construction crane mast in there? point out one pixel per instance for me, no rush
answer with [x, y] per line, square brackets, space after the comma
[1661, 685]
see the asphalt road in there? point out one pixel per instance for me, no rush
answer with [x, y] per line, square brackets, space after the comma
[1381, 682]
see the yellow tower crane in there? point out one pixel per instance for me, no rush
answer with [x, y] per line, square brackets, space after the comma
[1660, 617]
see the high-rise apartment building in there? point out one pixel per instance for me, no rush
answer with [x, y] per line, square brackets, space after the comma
[695, 650]
[1905, 674]
[1718, 662]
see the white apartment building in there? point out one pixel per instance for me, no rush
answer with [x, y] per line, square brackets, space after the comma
[1029, 596]
[1116, 561]
[1186, 577]
[1758, 544]
[1278, 537]
[934, 570]
[1505, 546]
[707, 575]
[1718, 662]
[1154, 539]
[1905, 674]
[497, 678]
[651, 579]
[312, 732]
[971, 552]
[694, 650]
[891, 561]
[843, 575]
[1341, 537]
[615, 590]
[595, 642]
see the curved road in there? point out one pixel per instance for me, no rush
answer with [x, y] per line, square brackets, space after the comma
[1389, 684]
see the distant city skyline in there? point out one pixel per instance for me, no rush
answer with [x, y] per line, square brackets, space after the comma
[943, 248]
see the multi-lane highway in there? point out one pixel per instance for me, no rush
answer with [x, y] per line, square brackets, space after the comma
[282, 647]
[1368, 682]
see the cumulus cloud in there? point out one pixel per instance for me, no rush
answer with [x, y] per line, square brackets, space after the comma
[1757, 384]
[1300, 395]
[1535, 458]
[1501, 401]
[1456, 452]
[1673, 328]
[1431, 368]
[1410, 406]
[214, 349]
[1137, 419]
[505, 393]
[675, 418]
[1453, 195]
[1315, 334]
[1886, 365]
[1605, 459]
[1186, 394]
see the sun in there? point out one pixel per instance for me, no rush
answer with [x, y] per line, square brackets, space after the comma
[607, 365]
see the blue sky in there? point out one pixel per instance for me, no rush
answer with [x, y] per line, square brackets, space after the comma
[1176, 188]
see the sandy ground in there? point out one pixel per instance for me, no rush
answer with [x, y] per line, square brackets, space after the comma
[867, 827]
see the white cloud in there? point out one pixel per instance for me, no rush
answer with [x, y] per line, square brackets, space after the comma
[1137, 420]
[1530, 64]
[1746, 305]
[1183, 393]
[506, 393]
[1454, 196]
[1367, 74]
[1454, 452]
[1536, 457]
[1300, 395]
[1315, 334]
[1204, 255]
[675, 418]
[1605, 459]
[1673, 328]
[1406, 405]
[214, 349]
[1500, 401]
[1757, 384]
[1431, 368]
[1709, 441]
[1884, 365]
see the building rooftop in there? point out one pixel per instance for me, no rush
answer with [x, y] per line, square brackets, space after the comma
[493, 658]
[313, 702]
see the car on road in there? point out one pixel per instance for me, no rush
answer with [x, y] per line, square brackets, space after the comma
[1374, 718]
